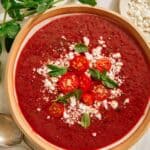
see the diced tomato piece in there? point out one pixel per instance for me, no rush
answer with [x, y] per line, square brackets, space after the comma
[88, 98]
[68, 82]
[79, 63]
[85, 82]
[100, 92]
[103, 64]
[56, 110]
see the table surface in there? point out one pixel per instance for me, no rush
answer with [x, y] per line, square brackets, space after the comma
[142, 144]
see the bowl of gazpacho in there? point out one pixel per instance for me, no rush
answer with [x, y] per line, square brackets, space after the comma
[78, 78]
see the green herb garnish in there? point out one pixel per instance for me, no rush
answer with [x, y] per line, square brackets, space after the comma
[64, 99]
[9, 29]
[103, 77]
[80, 48]
[90, 2]
[85, 120]
[56, 71]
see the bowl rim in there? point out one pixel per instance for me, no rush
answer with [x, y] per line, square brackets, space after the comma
[36, 139]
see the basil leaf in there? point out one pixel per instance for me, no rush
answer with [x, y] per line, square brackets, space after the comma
[109, 82]
[41, 8]
[56, 71]
[11, 29]
[15, 14]
[95, 74]
[103, 77]
[64, 99]
[6, 4]
[2, 31]
[85, 120]
[90, 2]
[77, 93]
[80, 48]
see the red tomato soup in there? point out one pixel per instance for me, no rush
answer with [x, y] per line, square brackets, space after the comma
[82, 82]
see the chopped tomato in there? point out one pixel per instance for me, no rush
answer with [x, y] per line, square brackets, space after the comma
[103, 64]
[56, 110]
[79, 63]
[68, 82]
[88, 98]
[100, 92]
[85, 82]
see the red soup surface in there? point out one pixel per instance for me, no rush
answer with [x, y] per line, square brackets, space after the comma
[82, 82]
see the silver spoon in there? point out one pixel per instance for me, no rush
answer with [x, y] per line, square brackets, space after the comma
[9, 133]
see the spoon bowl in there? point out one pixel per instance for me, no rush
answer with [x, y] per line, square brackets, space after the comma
[9, 133]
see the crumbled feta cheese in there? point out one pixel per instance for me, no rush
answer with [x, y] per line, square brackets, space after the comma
[98, 116]
[86, 40]
[38, 109]
[97, 104]
[74, 111]
[97, 52]
[43, 70]
[87, 73]
[105, 104]
[139, 13]
[34, 69]
[48, 117]
[49, 84]
[73, 101]
[94, 134]
[71, 47]
[126, 101]
[114, 104]
[46, 99]
[88, 56]
[101, 42]
[70, 55]
[115, 93]
[116, 55]
[63, 37]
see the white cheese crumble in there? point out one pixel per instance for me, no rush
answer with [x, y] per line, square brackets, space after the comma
[71, 47]
[114, 104]
[126, 101]
[116, 55]
[46, 99]
[114, 93]
[73, 112]
[139, 13]
[102, 42]
[49, 84]
[96, 52]
[105, 104]
[88, 56]
[73, 101]
[42, 70]
[94, 134]
[70, 55]
[63, 37]
[48, 117]
[38, 109]
[86, 40]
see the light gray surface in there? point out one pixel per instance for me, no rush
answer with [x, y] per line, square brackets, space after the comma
[143, 144]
